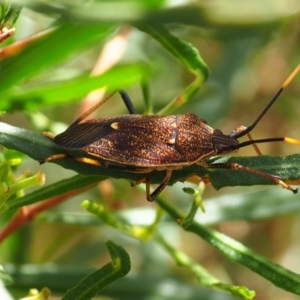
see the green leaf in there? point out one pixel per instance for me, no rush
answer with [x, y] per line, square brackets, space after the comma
[186, 53]
[285, 167]
[11, 15]
[5, 277]
[239, 253]
[40, 147]
[252, 207]
[6, 191]
[55, 47]
[202, 274]
[72, 89]
[61, 187]
[94, 282]
[60, 276]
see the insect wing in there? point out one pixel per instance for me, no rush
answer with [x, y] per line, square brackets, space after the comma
[140, 141]
[84, 134]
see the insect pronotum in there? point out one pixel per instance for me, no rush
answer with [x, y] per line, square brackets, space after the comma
[144, 143]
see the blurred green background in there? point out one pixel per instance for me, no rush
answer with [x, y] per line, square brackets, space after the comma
[250, 49]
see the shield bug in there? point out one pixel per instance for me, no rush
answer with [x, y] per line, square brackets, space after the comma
[145, 143]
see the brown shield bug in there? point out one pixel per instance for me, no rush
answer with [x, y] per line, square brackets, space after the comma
[144, 143]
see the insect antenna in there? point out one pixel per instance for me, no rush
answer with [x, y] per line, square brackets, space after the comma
[267, 140]
[239, 133]
[127, 101]
[88, 112]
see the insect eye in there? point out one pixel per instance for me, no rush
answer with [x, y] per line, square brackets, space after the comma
[218, 131]
[219, 148]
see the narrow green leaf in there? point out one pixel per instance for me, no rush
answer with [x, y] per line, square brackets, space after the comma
[5, 277]
[39, 148]
[76, 88]
[285, 167]
[59, 188]
[239, 253]
[96, 11]
[6, 191]
[252, 207]
[94, 282]
[202, 274]
[11, 16]
[55, 47]
[186, 53]
[60, 276]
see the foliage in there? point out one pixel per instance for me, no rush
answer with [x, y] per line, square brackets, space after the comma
[47, 73]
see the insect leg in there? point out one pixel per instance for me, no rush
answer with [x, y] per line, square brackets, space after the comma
[235, 166]
[53, 157]
[258, 152]
[158, 190]
[48, 134]
[85, 160]
[64, 155]
[240, 130]
[147, 182]
[128, 103]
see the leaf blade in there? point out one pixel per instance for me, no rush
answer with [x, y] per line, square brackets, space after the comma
[89, 286]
